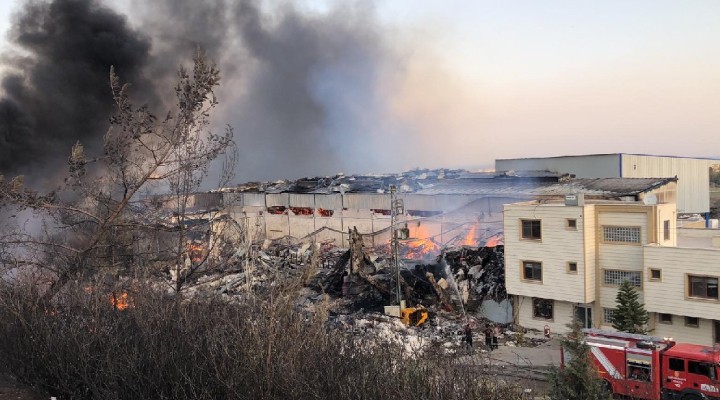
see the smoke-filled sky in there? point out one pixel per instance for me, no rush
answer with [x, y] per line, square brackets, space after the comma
[318, 87]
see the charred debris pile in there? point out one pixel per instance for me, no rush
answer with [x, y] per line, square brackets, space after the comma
[355, 284]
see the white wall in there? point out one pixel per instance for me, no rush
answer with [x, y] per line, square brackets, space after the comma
[557, 247]
[563, 314]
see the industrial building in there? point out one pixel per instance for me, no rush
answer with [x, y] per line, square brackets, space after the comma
[437, 205]
[693, 175]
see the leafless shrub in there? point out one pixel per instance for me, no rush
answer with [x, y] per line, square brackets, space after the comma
[161, 347]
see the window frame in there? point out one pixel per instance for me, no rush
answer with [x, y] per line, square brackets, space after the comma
[621, 242]
[571, 224]
[531, 237]
[523, 277]
[639, 284]
[651, 277]
[534, 309]
[608, 315]
[666, 229]
[570, 270]
[690, 324]
[693, 296]
[662, 321]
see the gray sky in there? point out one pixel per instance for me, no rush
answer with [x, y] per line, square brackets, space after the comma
[484, 79]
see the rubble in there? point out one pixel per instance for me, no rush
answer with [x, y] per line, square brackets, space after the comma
[355, 284]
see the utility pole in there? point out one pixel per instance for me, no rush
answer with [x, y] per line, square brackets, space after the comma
[397, 208]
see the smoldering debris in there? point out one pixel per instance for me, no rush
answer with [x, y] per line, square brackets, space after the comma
[355, 284]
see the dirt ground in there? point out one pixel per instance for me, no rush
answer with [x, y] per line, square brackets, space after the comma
[11, 390]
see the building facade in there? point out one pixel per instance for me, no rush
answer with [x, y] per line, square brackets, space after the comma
[566, 262]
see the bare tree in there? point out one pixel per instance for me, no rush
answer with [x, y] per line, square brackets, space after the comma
[131, 205]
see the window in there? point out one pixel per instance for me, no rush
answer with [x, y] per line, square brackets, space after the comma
[531, 229]
[701, 368]
[608, 314]
[639, 371]
[532, 270]
[655, 274]
[693, 322]
[666, 229]
[571, 224]
[621, 234]
[703, 286]
[615, 277]
[572, 267]
[665, 318]
[676, 364]
[542, 308]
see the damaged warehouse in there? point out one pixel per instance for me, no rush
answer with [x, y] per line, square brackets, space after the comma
[452, 257]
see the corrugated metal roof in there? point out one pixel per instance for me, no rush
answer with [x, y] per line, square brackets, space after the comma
[600, 187]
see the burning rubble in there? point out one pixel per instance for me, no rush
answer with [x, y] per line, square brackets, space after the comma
[357, 283]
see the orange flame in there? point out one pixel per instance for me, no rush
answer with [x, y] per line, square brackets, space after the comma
[196, 252]
[494, 241]
[121, 301]
[470, 239]
[422, 246]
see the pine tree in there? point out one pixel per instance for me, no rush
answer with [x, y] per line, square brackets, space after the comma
[579, 378]
[630, 315]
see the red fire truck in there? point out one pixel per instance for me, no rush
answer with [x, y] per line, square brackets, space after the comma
[647, 367]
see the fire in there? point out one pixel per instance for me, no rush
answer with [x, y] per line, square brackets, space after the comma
[195, 251]
[470, 239]
[422, 246]
[121, 301]
[494, 241]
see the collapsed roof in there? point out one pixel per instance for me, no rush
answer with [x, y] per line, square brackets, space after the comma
[447, 181]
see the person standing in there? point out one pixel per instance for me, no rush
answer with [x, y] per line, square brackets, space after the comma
[468, 336]
[489, 333]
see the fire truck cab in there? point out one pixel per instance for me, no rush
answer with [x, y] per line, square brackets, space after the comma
[652, 368]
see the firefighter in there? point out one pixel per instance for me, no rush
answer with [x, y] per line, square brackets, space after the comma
[468, 337]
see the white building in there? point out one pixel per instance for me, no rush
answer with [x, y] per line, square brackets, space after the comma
[565, 261]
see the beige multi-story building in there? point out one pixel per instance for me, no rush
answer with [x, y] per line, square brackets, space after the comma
[566, 260]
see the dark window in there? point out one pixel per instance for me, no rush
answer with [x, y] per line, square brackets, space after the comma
[572, 267]
[655, 274]
[703, 286]
[666, 318]
[302, 210]
[639, 371]
[692, 321]
[572, 224]
[531, 229]
[701, 368]
[677, 364]
[325, 213]
[666, 229]
[542, 308]
[532, 270]
[276, 210]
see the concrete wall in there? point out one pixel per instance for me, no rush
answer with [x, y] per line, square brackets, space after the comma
[563, 314]
[703, 334]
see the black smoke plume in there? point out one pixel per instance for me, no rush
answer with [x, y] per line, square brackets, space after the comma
[58, 92]
[298, 87]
